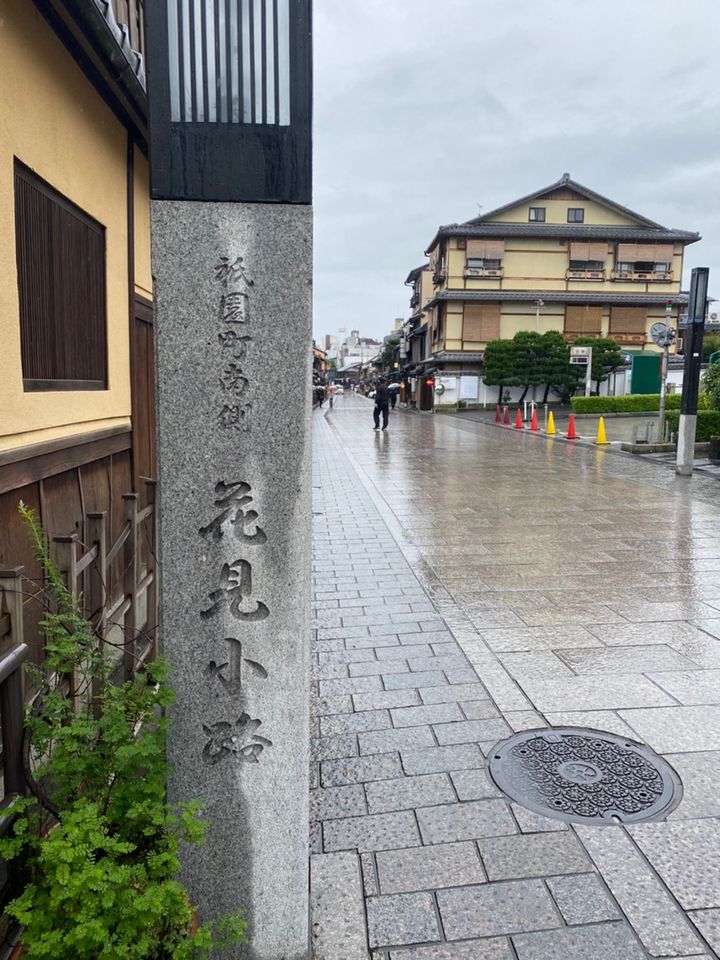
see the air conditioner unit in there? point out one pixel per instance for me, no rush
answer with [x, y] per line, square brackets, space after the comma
[714, 317]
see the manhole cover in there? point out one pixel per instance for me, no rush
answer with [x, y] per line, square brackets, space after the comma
[585, 776]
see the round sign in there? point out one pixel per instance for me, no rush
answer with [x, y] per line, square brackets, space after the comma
[662, 334]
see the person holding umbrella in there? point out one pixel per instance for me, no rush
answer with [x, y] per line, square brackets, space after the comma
[382, 402]
[393, 389]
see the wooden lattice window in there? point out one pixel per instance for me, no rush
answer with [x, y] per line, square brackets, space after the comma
[481, 322]
[61, 288]
[583, 321]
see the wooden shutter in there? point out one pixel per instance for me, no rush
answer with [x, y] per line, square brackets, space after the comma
[597, 251]
[626, 252]
[664, 252]
[649, 252]
[628, 320]
[481, 322]
[485, 249]
[61, 284]
[579, 251]
[645, 251]
[583, 320]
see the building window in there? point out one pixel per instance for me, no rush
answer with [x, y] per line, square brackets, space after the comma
[623, 267]
[537, 215]
[61, 285]
[583, 266]
[483, 263]
[576, 215]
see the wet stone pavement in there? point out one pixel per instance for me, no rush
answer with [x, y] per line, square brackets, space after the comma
[470, 583]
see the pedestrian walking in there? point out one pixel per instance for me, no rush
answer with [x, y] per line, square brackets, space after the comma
[393, 390]
[382, 404]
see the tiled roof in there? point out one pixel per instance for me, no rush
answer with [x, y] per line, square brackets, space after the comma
[561, 296]
[121, 35]
[564, 231]
[414, 274]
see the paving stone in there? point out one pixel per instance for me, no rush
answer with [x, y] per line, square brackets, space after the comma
[372, 642]
[461, 675]
[330, 688]
[338, 914]
[585, 693]
[433, 636]
[708, 923]
[385, 741]
[607, 941]
[538, 638]
[493, 949]
[640, 611]
[360, 769]
[367, 867]
[649, 658]
[676, 729]
[378, 668]
[473, 784]
[327, 748]
[328, 670]
[679, 851]
[465, 821]
[326, 706]
[380, 831]
[386, 698]
[455, 692]
[404, 653]
[537, 663]
[494, 909]
[662, 928]
[583, 899]
[690, 687]
[442, 759]
[428, 679]
[409, 792]
[479, 710]
[471, 731]
[700, 775]
[519, 720]
[531, 822]
[533, 855]
[603, 720]
[329, 803]
[355, 722]
[347, 656]
[429, 868]
[421, 664]
[402, 918]
[432, 713]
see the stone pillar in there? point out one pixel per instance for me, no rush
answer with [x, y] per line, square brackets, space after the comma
[233, 338]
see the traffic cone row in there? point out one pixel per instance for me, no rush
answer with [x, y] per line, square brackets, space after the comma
[504, 418]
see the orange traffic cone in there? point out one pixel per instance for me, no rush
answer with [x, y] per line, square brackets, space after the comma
[518, 421]
[506, 417]
[533, 422]
[571, 435]
[497, 413]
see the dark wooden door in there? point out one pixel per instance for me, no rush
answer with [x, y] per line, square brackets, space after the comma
[143, 396]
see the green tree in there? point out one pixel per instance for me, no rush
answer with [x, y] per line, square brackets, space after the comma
[498, 365]
[711, 343]
[711, 384]
[526, 360]
[555, 369]
[388, 353]
[606, 357]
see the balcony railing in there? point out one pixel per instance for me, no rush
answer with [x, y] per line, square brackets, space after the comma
[628, 338]
[585, 274]
[414, 300]
[483, 272]
[646, 277]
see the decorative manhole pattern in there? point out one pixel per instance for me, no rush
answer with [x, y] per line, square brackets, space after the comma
[585, 776]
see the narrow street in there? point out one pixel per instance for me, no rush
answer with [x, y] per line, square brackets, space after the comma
[471, 583]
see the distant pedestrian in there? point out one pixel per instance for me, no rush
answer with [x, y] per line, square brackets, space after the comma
[382, 404]
[393, 390]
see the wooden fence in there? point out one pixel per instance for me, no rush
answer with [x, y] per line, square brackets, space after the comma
[124, 605]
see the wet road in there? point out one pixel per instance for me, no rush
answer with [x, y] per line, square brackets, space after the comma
[472, 582]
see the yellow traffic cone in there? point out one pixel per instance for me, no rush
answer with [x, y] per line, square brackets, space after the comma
[550, 424]
[602, 439]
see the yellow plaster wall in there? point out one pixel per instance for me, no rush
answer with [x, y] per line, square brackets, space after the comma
[143, 270]
[53, 121]
[556, 212]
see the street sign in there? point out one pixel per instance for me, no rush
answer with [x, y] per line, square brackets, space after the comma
[662, 334]
[583, 357]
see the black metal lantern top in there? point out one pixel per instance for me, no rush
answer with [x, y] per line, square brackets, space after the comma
[230, 87]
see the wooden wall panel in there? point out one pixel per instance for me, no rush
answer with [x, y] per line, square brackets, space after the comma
[62, 512]
[15, 551]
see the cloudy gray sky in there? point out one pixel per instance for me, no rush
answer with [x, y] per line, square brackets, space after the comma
[426, 108]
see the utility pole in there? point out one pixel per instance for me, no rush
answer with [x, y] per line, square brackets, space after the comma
[538, 304]
[693, 338]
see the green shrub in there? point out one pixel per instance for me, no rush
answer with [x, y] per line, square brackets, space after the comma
[632, 403]
[708, 424]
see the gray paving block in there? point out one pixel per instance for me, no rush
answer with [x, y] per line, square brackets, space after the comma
[471, 731]
[355, 722]
[404, 652]
[432, 713]
[421, 664]
[700, 775]
[464, 756]
[647, 658]
[662, 928]
[690, 687]
[327, 706]
[385, 741]
[327, 748]
[465, 821]
[372, 642]
[338, 914]
[386, 698]
[494, 909]
[461, 675]
[583, 899]
[367, 867]
[481, 710]
[400, 919]
[377, 668]
[679, 851]
[409, 792]
[533, 855]
[676, 729]
[346, 656]
[708, 923]
[329, 688]
[454, 692]
[531, 822]
[431, 678]
[429, 868]
[606, 941]
[493, 949]
[380, 831]
[360, 769]
[329, 803]
[585, 693]
[473, 784]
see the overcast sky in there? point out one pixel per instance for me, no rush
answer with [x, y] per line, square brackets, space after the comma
[426, 108]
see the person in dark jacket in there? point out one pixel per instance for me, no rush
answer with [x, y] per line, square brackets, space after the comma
[382, 403]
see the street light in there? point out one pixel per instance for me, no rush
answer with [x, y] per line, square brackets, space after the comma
[229, 85]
